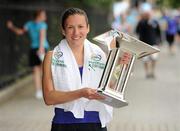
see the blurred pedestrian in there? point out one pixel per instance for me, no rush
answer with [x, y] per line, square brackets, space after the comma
[132, 19]
[124, 25]
[71, 75]
[37, 30]
[177, 18]
[149, 32]
[163, 26]
[171, 31]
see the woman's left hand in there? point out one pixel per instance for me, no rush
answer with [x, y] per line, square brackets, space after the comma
[125, 58]
[41, 51]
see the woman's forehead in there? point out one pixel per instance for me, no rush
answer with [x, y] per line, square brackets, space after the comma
[76, 18]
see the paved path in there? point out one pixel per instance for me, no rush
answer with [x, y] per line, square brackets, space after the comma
[154, 104]
[23, 112]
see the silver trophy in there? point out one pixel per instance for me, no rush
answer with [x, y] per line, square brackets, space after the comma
[116, 75]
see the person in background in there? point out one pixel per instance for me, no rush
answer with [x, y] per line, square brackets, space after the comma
[124, 25]
[120, 23]
[177, 18]
[171, 31]
[163, 26]
[149, 32]
[37, 30]
[71, 75]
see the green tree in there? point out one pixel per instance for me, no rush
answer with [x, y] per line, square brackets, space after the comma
[169, 3]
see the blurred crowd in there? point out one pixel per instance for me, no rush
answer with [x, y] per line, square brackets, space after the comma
[151, 25]
[168, 20]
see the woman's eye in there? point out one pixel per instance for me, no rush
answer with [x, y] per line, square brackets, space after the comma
[81, 27]
[69, 27]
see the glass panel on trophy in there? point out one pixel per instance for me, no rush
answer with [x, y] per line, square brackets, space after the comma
[118, 76]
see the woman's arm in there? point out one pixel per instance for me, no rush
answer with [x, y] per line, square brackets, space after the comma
[52, 97]
[12, 27]
[41, 40]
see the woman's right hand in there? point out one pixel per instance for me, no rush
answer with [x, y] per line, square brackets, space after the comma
[16, 30]
[91, 94]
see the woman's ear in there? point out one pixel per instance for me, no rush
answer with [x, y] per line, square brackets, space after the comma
[63, 32]
[88, 26]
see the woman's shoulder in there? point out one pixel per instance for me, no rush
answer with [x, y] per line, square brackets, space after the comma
[42, 25]
[49, 53]
[47, 58]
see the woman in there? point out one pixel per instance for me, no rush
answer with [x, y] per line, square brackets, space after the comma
[37, 29]
[71, 73]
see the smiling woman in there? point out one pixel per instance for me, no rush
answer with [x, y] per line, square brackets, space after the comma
[71, 75]
[70, 87]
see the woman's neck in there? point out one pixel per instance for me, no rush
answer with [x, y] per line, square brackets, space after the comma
[37, 20]
[77, 49]
[78, 52]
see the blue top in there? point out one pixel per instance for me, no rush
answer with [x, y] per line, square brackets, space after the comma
[33, 29]
[172, 25]
[81, 71]
[62, 117]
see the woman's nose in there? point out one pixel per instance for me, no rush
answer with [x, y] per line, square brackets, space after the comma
[76, 31]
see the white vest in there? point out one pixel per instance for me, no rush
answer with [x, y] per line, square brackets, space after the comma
[66, 77]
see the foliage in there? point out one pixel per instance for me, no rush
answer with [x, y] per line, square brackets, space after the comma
[103, 4]
[169, 3]
[99, 3]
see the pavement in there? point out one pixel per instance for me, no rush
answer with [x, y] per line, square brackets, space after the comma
[154, 104]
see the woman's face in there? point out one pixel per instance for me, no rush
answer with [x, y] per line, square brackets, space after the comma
[42, 16]
[76, 29]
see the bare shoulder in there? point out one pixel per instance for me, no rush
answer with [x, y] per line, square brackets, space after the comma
[49, 54]
[48, 57]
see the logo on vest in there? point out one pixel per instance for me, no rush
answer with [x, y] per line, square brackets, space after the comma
[56, 60]
[58, 54]
[96, 57]
[95, 62]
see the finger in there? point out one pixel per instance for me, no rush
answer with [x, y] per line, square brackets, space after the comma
[126, 55]
[98, 96]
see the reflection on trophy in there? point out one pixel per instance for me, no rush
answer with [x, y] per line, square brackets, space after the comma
[116, 75]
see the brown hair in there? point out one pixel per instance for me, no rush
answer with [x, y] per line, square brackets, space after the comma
[37, 13]
[72, 11]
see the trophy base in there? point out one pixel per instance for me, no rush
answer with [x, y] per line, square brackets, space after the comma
[112, 100]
